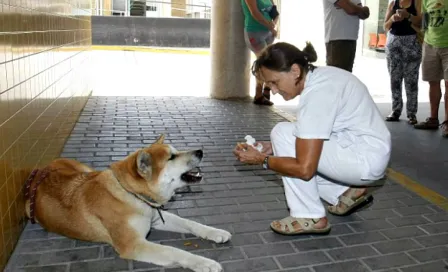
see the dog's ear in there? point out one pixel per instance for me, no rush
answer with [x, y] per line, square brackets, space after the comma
[160, 139]
[144, 163]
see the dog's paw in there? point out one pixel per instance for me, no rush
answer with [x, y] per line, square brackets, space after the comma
[218, 235]
[206, 265]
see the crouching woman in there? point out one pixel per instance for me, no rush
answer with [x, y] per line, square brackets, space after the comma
[337, 150]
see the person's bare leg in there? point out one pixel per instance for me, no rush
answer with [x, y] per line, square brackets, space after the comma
[267, 92]
[258, 90]
[259, 98]
[435, 95]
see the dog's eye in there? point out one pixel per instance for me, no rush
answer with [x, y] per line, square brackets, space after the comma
[173, 156]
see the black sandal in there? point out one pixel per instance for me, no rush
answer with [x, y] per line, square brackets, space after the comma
[267, 93]
[263, 101]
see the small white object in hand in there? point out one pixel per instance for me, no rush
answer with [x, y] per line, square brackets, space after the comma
[251, 141]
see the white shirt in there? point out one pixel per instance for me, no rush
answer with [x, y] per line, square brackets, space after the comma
[338, 24]
[336, 103]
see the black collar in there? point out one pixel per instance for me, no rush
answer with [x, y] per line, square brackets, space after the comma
[149, 201]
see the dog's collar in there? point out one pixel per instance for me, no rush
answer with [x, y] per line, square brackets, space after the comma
[150, 202]
[31, 192]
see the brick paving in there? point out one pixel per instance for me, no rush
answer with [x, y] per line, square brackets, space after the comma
[399, 232]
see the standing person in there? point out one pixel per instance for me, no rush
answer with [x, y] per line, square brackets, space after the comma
[435, 60]
[341, 31]
[403, 54]
[338, 148]
[259, 32]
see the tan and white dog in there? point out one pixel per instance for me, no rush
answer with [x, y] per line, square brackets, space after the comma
[108, 206]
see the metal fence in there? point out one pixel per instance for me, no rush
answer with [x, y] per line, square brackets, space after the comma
[200, 9]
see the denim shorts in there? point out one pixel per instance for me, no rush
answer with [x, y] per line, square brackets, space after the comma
[259, 40]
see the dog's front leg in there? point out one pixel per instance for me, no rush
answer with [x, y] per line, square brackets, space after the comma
[145, 251]
[178, 224]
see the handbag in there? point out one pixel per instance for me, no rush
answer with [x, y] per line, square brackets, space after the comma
[273, 13]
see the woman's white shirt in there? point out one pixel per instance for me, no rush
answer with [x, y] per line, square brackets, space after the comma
[336, 105]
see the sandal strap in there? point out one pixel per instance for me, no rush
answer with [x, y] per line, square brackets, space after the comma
[287, 222]
[305, 224]
[348, 201]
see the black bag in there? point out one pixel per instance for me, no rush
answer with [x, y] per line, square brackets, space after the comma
[273, 13]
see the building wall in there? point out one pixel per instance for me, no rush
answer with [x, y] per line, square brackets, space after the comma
[44, 61]
[178, 8]
[147, 31]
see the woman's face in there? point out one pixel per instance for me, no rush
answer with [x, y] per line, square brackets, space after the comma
[284, 83]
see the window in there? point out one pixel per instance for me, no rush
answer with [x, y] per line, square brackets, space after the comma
[374, 36]
[151, 8]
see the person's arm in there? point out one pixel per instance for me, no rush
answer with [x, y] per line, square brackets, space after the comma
[425, 17]
[389, 17]
[304, 165]
[349, 7]
[252, 5]
[316, 116]
[417, 19]
[365, 14]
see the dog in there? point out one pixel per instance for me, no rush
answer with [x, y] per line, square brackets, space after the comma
[111, 206]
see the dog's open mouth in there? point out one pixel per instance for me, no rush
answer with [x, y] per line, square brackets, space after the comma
[192, 176]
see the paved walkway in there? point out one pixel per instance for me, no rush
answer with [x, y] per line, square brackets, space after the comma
[399, 232]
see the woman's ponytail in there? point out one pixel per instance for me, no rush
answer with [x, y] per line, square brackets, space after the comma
[310, 52]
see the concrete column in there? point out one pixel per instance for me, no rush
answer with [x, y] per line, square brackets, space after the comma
[230, 58]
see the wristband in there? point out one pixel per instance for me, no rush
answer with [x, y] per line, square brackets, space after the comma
[265, 163]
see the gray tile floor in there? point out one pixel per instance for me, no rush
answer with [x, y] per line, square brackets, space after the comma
[400, 232]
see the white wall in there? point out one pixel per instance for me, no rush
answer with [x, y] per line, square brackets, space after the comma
[163, 9]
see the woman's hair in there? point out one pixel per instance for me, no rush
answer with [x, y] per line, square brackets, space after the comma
[281, 56]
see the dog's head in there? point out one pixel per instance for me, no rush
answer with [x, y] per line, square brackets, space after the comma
[159, 169]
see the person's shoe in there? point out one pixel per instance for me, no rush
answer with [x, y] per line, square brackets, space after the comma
[429, 123]
[263, 101]
[393, 117]
[267, 93]
[444, 127]
[412, 120]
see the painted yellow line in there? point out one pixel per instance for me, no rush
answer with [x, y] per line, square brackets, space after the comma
[151, 49]
[417, 188]
[398, 177]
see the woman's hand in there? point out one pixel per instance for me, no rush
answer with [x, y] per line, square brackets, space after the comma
[248, 154]
[267, 147]
[396, 18]
[403, 13]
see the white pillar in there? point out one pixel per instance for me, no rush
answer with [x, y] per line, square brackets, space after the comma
[229, 55]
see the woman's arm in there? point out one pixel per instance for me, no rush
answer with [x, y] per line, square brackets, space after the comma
[389, 18]
[417, 19]
[252, 5]
[304, 165]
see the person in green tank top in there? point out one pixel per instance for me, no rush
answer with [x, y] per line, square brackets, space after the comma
[435, 60]
[259, 32]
